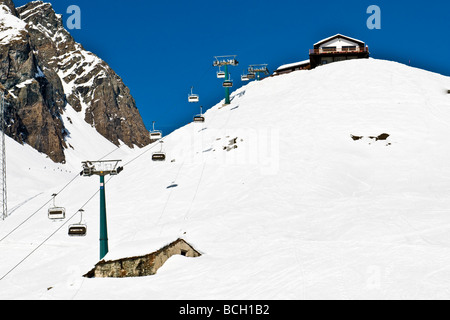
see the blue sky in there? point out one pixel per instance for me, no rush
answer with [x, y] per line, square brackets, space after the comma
[162, 48]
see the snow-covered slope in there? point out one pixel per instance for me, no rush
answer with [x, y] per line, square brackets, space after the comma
[297, 210]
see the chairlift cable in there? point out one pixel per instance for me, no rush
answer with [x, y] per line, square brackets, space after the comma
[51, 235]
[186, 216]
[46, 203]
[69, 219]
[140, 155]
[34, 213]
[178, 173]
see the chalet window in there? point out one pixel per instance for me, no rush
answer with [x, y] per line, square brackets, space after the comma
[348, 48]
[329, 49]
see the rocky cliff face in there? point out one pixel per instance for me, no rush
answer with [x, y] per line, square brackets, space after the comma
[44, 71]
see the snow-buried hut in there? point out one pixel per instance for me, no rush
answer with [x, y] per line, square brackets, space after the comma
[142, 265]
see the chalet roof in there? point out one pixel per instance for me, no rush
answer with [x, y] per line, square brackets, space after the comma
[338, 36]
[292, 65]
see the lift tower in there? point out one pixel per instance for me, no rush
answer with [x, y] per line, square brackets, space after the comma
[4, 197]
[226, 61]
[102, 168]
[257, 69]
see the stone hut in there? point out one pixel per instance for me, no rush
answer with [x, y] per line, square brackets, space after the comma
[142, 265]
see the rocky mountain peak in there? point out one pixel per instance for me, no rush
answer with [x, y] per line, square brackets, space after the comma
[45, 71]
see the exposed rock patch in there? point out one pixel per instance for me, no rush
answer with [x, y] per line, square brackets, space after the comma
[381, 137]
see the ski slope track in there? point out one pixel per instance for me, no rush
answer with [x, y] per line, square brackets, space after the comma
[273, 191]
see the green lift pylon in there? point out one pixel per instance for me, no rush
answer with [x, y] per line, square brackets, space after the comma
[227, 89]
[103, 223]
[227, 83]
[102, 168]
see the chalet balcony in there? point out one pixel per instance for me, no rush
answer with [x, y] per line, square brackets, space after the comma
[334, 50]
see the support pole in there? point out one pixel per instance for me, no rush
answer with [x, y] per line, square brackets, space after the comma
[227, 89]
[4, 198]
[103, 223]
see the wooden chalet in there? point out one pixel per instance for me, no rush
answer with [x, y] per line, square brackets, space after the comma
[332, 49]
[337, 48]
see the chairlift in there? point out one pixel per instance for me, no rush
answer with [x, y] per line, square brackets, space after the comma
[251, 76]
[155, 135]
[244, 77]
[56, 213]
[88, 170]
[116, 171]
[159, 156]
[220, 74]
[78, 229]
[193, 97]
[227, 83]
[199, 118]
[233, 62]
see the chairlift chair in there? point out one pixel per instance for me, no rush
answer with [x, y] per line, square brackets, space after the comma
[78, 229]
[193, 97]
[56, 213]
[227, 83]
[155, 135]
[199, 118]
[220, 74]
[159, 156]
[251, 76]
[116, 171]
[244, 77]
[233, 62]
[88, 170]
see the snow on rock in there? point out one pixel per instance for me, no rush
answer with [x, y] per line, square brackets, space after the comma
[11, 27]
[274, 192]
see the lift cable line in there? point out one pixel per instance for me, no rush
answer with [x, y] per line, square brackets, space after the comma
[51, 235]
[68, 220]
[188, 212]
[88, 169]
[176, 178]
[225, 61]
[51, 199]
[40, 208]
[141, 154]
